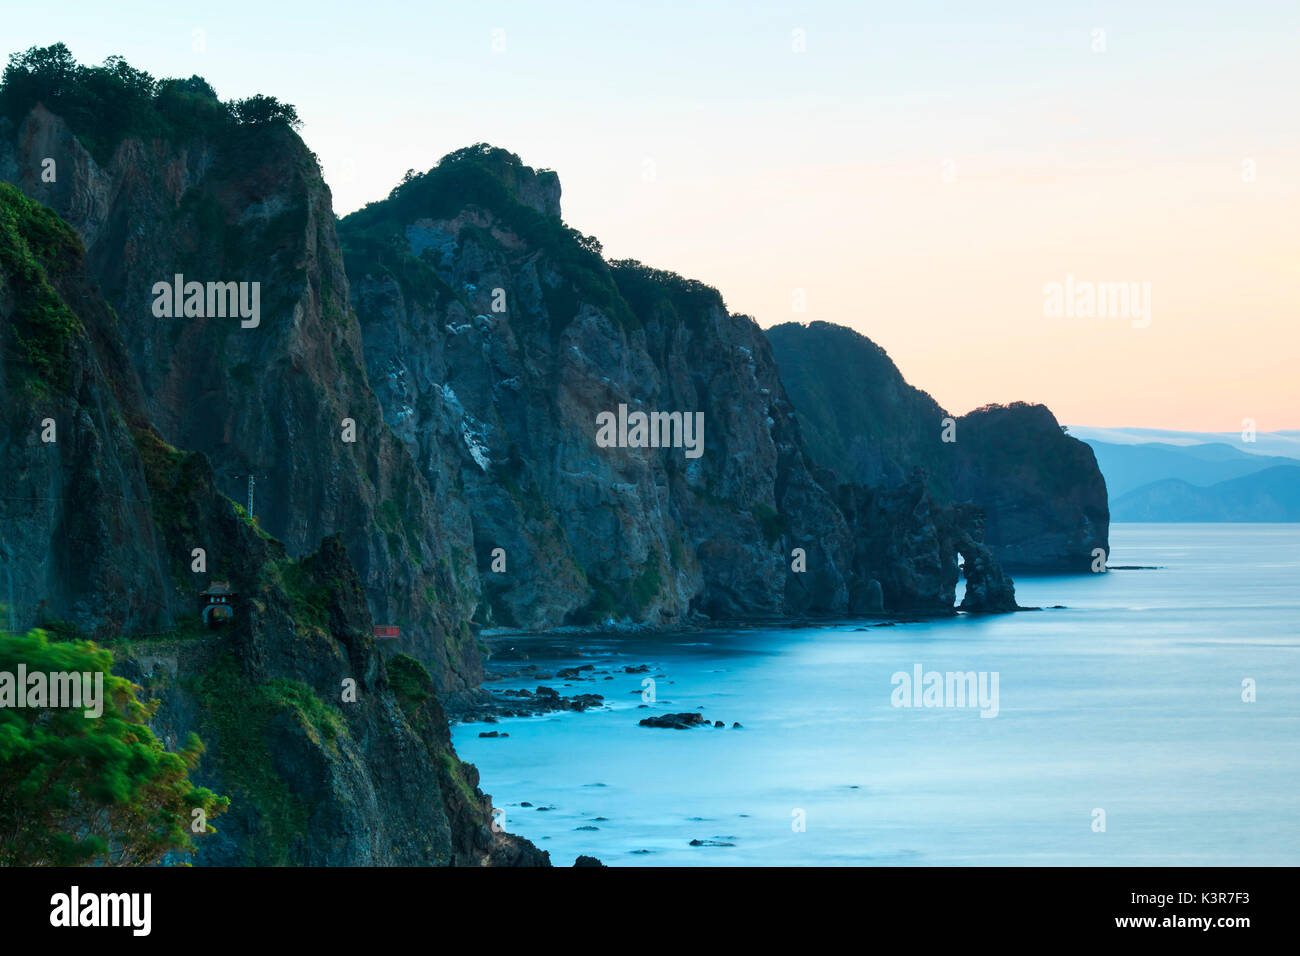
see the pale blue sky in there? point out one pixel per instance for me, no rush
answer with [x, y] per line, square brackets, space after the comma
[824, 170]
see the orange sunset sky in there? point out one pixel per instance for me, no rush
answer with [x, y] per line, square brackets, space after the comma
[920, 171]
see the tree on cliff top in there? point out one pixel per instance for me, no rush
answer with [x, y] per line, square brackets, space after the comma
[89, 790]
[105, 103]
[264, 109]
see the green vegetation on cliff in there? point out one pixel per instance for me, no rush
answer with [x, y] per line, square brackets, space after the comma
[481, 176]
[409, 681]
[90, 790]
[772, 523]
[239, 713]
[649, 291]
[173, 478]
[107, 103]
[35, 247]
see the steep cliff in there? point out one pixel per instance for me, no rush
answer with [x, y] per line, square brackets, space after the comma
[496, 336]
[282, 395]
[77, 540]
[452, 436]
[195, 325]
[1043, 496]
[99, 519]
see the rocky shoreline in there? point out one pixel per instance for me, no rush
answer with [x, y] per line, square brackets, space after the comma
[514, 686]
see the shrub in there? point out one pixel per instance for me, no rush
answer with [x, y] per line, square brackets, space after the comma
[79, 790]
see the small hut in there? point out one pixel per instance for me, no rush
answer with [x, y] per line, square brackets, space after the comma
[218, 603]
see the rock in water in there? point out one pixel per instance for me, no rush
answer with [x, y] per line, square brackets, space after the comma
[675, 721]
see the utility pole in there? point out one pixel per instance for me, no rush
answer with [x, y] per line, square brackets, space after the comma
[252, 483]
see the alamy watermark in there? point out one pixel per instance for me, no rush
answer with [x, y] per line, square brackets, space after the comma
[951, 689]
[212, 300]
[56, 689]
[1085, 299]
[128, 910]
[651, 430]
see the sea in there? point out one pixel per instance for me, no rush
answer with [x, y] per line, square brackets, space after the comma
[1147, 715]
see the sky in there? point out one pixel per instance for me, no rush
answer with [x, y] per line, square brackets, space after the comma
[921, 172]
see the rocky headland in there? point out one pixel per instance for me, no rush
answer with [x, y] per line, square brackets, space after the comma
[415, 393]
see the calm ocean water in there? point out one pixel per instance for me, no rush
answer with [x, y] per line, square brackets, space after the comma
[1129, 700]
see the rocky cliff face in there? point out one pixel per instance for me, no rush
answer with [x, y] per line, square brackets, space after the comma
[1042, 494]
[446, 432]
[283, 395]
[77, 540]
[98, 524]
[450, 436]
[496, 337]
[909, 551]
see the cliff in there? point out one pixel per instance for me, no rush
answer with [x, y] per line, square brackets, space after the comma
[496, 337]
[440, 410]
[1043, 496]
[422, 404]
[244, 203]
[98, 521]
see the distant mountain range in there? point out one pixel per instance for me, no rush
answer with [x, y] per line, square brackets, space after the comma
[1285, 443]
[1269, 495]
[1158, 475]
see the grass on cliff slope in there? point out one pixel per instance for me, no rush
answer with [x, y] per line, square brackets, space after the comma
[310, 598]
[409, 681]
[35, 245]
[455, 770]
[239, 711]
[397, 532]
[251, 521]
[172, 479]
[602, 605]
[646, 585]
